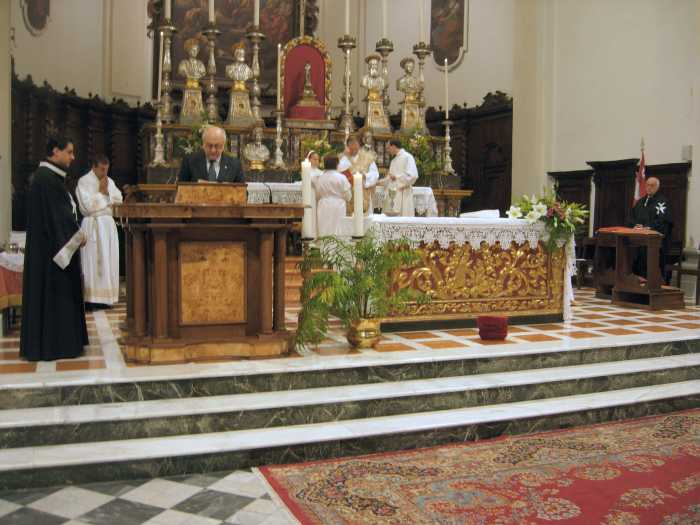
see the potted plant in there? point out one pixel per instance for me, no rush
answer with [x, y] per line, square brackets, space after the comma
[353, 282]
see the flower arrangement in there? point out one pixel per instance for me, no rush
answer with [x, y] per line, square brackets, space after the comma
[192, 142]
[428, 164]
[561, 218]
[320, 146]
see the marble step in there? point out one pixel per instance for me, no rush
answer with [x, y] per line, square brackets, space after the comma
[182, 381]
[154, 457]
[166, 417]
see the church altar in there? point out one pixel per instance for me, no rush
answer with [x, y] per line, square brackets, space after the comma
[471, 267]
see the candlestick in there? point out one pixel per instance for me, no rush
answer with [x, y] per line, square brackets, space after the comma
[346, 43]
[256, 38]
[307, 230]
[256, 13]
[167, 30]
[347, 17]
[447, 95]
[421, 5]
[421, 50]
[385, 21]
[385, 47]
[160, 64]
[279, 157]
[168, 9]
[358, 215]
[279, 77]
[211, 87]
[159, 148]
[447, 167]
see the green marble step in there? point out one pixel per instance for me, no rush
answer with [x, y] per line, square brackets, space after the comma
[189, 416]
[355, 370]
[166, 456]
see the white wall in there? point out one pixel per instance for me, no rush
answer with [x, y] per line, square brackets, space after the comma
[5, 125]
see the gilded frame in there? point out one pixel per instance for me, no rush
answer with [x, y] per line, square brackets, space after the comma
[321, 47]
[446, 17]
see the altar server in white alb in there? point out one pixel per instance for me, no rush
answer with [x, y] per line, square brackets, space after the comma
[333, 191]
[398, 197]
[96, 194]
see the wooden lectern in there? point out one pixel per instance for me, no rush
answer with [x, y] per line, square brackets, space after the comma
[205, 275]
[615, 276]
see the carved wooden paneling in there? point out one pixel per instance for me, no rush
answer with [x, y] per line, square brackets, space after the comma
[614, 191]
[93, 125]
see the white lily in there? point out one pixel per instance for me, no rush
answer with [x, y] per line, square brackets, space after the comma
[532, 217]
[514, 212]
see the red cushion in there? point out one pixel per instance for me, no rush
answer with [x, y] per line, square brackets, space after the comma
[492, 327]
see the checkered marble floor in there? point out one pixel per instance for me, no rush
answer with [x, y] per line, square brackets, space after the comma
[238, 497]
[595, 322]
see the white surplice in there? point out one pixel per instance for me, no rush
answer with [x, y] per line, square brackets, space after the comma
[100, 255]
[371, 176]
[315, 173]
[333, 191]
[398, 197]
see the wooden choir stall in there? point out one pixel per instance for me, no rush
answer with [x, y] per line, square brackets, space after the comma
[205, 275]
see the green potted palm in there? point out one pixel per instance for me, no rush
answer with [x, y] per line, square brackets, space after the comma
[353, 282]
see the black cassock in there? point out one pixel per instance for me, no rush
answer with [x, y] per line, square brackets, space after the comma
[53, 311]
[655, 213]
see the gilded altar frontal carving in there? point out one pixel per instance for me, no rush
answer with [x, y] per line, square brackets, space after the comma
[518, 280]
[212, 282]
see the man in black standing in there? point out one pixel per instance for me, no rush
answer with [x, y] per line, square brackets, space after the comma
[211, 163]
[53, 312]
[653, 212]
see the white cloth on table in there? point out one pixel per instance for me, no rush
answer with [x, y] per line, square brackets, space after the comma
[398, 197]
[481, 214]
[333, 191]
[100, 255]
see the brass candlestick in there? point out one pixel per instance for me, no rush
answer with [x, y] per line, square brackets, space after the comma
[385, 47]
[422, 50]
[212, 90]
[167, 30]
[256, 37]
[279, 156]
[347, 43]
[447, 168]
[159, 149]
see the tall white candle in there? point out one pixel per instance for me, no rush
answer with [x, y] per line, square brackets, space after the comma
[160, 63]
[347, 17]
[307, 223]
[421, 20]
[212, 12]
[447, 95]
[358, 215]
[279, 76]
[385, 21]
[256, 13]
[168, 9]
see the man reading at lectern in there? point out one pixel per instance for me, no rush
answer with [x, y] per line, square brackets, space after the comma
[653, 212]
[211, 163]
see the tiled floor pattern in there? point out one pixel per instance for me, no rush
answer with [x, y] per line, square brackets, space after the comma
[594, 320]
[239, 498]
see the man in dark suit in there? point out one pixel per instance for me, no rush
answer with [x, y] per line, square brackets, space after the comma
[211, 163]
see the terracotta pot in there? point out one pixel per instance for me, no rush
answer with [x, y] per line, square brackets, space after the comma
[364, 333]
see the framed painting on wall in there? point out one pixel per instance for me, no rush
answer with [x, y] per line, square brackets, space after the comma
[449, 31]
[279, 21]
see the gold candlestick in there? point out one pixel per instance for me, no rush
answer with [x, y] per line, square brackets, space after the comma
[167, 30]
[422, 50]
[212, 34]
[256, 37]
[385, 47]
[347, 43]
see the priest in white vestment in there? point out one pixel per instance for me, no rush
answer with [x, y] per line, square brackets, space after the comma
[403, 173]
[361, 160]
[96, 193]
[333, 191]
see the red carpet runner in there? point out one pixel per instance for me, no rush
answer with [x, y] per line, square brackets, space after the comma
[635, 472]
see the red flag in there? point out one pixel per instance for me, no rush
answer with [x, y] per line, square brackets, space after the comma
[640, 188]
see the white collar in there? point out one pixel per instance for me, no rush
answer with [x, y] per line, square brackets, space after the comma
[52, 167]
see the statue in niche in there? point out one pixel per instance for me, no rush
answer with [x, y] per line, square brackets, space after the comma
[193, 70]
[377, 121]
[256, 153]
[308, 96]
[239, 111]
[410, 86]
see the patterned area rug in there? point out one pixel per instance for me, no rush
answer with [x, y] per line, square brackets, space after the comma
[634, 472]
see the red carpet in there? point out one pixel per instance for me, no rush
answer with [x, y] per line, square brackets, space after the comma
[641, 471]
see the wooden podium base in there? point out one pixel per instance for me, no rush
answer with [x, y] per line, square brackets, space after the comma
[667, 298]
[177, 351]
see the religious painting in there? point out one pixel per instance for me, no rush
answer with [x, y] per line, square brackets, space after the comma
[449, 31]
[279, 21]
[36, 15]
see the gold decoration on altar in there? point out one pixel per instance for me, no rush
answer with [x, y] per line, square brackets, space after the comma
[518, 280]
[193, 70]
[328, 67]
[377, 121]
[410, 87]
[239, 112]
